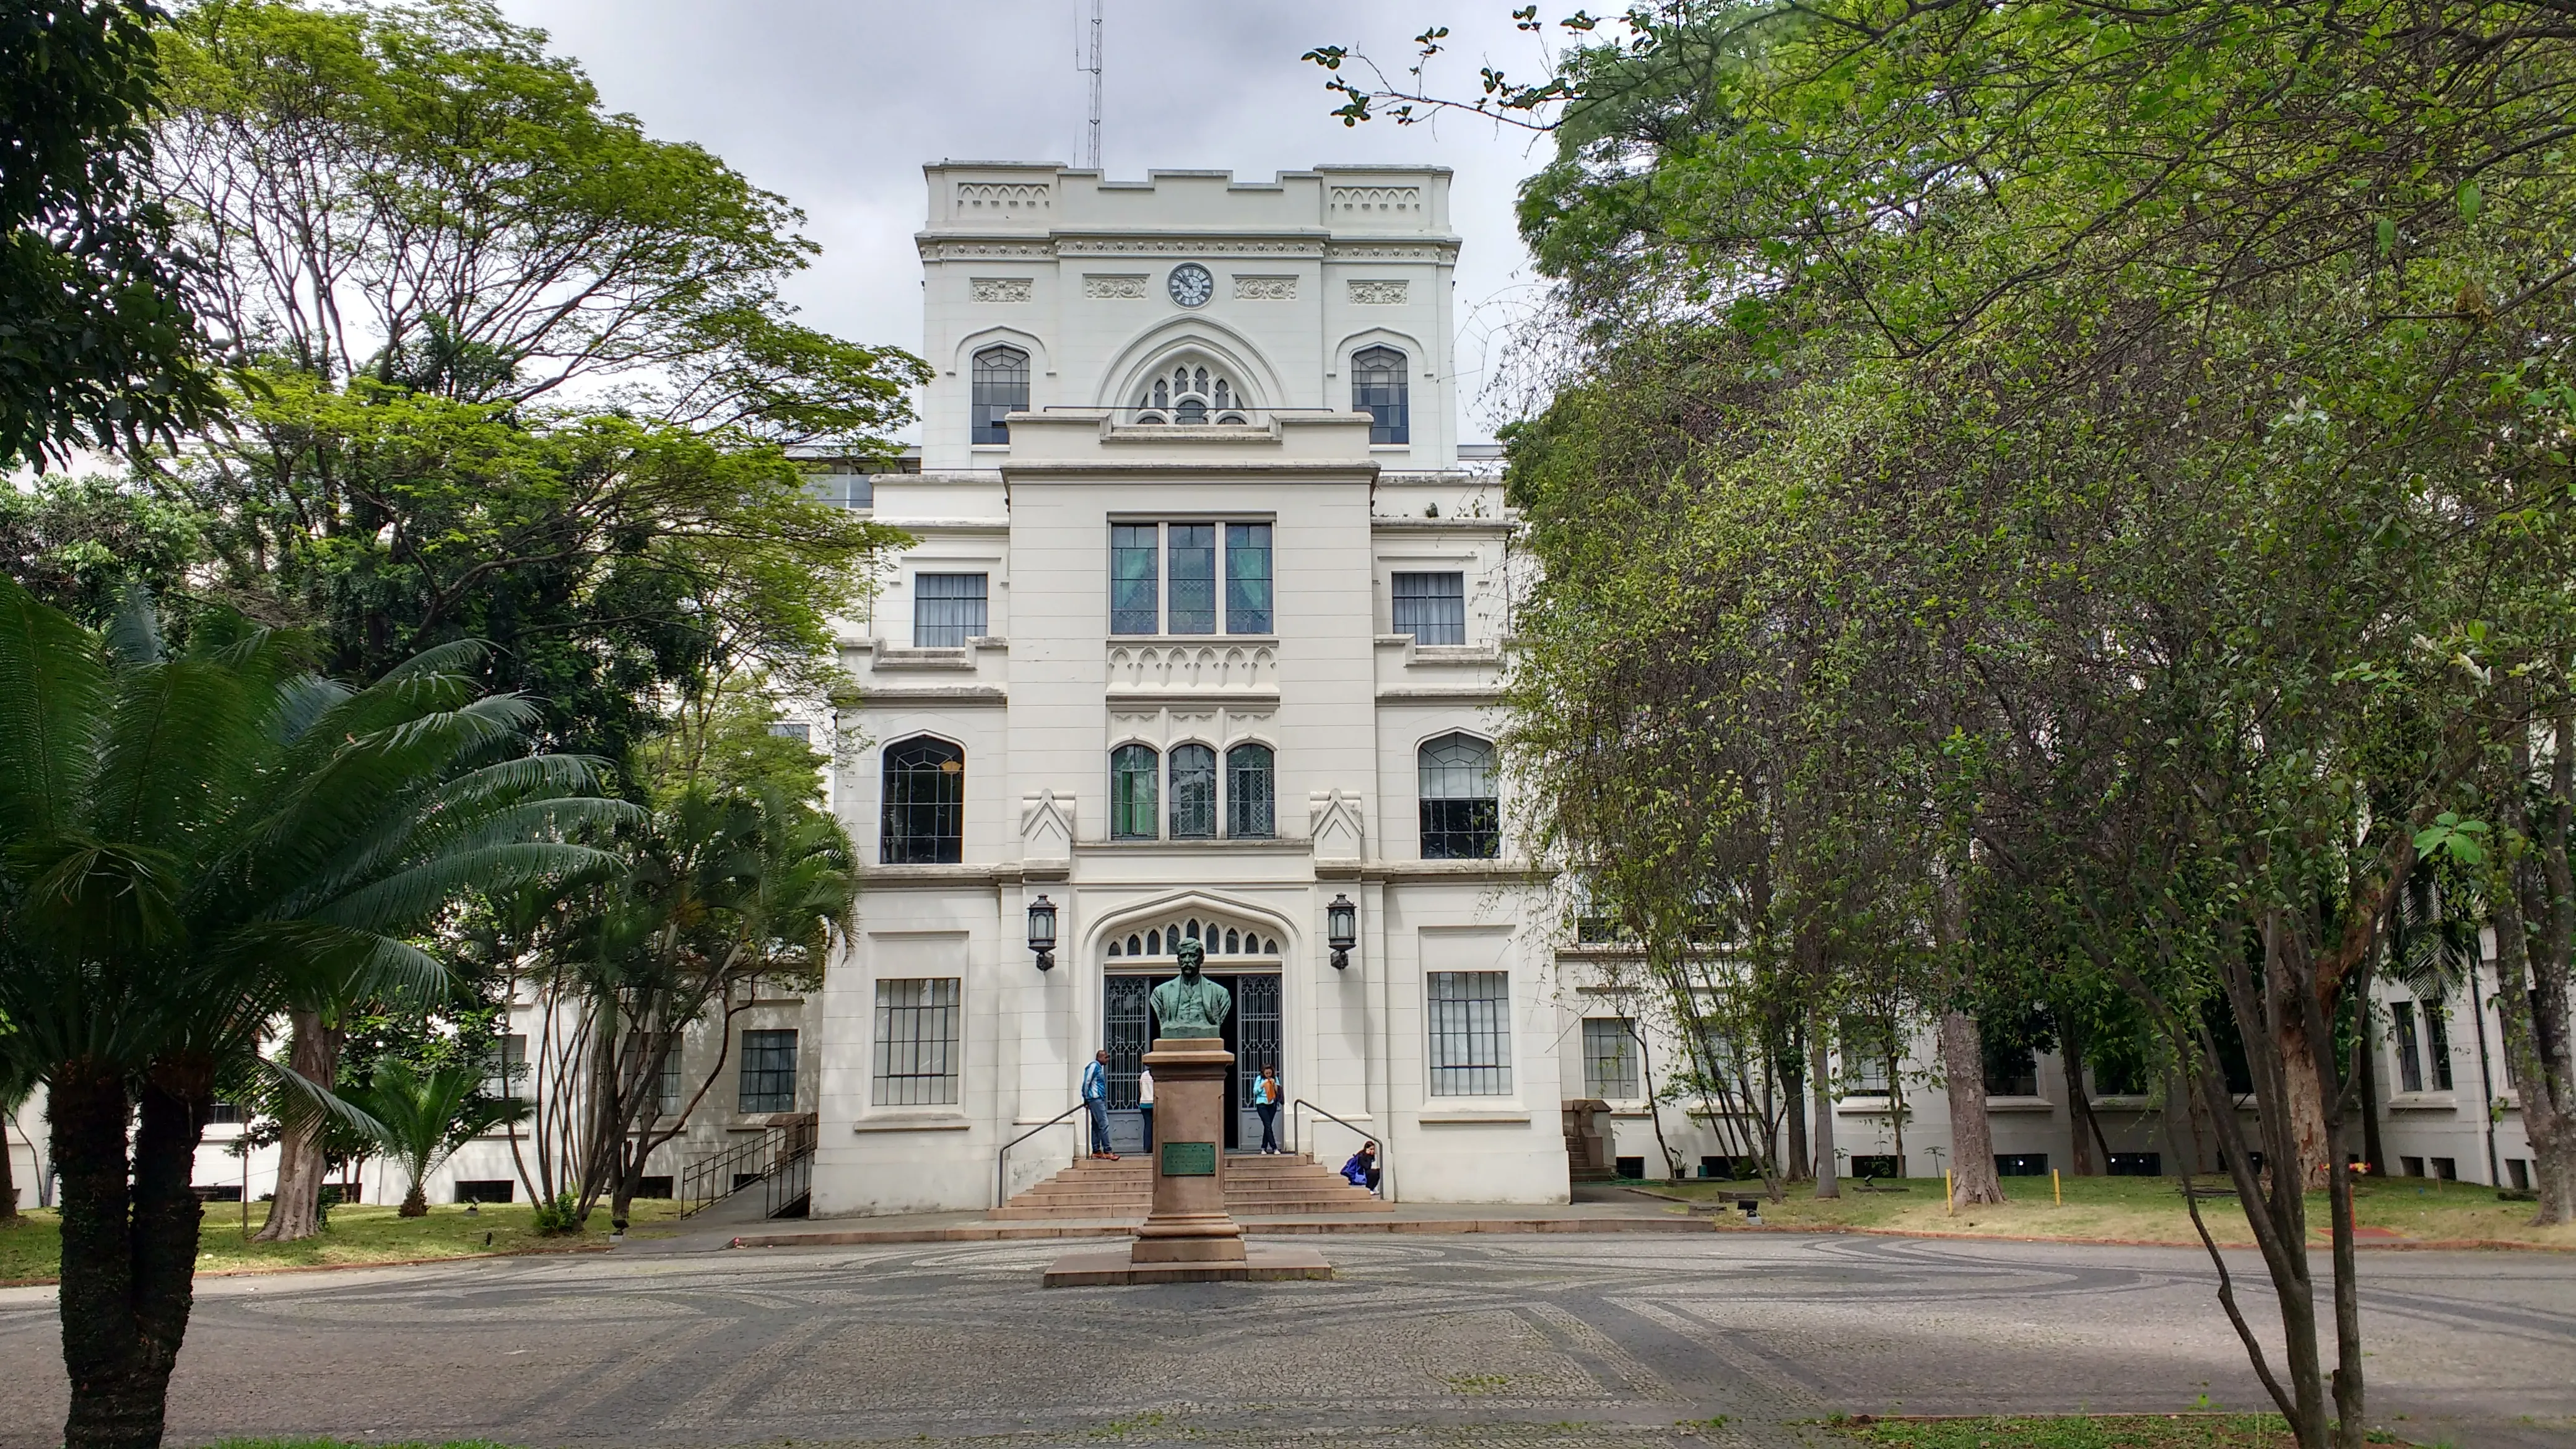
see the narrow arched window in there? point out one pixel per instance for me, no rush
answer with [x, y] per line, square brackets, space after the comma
[1250, 813]
[1461, 819]
[1378, 389]
[1001, 389]
[1193, 792]
[1132, 813]
[925, 803]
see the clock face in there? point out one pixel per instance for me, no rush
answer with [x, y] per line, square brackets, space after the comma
[1190, 285]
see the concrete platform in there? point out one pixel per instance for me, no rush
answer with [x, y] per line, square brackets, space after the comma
[1109, 1267]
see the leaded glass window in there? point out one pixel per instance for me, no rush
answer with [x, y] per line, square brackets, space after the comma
[925, 803]
[1132, 811]
[1247, 578]
[916, 1063]
[1471, 1033]
[1001, 388]
[1193, 792]
[947, 609]
[768, 1072]
[1190, 394]
[1378, 389]
[1135, 604]
[1461, 818]
[1193, 568]
[1250, 810]
[1431, 607]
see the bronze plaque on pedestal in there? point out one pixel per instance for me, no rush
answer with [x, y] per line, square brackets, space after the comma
[1189, 1159]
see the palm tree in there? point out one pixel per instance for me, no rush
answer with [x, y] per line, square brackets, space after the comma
[421, 1117]
[189, 841]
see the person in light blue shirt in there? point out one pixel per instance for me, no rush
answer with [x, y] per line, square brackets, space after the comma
[1095, 1096]
[1265, 1100]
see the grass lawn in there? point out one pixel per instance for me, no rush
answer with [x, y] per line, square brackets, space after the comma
[2145, 1209]
[356, 1235]
[2105, 1431]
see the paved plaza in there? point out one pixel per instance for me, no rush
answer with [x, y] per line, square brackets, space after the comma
[1537, 1341]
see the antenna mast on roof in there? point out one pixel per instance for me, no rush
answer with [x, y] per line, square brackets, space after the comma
[1091, 63]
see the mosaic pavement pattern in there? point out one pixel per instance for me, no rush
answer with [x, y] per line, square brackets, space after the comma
[1530, 1342]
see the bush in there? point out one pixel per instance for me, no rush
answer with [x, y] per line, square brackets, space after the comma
[559, 1216]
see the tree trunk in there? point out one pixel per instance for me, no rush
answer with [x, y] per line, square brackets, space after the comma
[1793, 1106]
[2307, 1101]
[2079, 1102]
[1820, 1085]
[1972, 1137]
[295, 1212]
[415, 1203]
[2536, 1056]
[2373, 1150]
[129, 1253]
[8, 1177]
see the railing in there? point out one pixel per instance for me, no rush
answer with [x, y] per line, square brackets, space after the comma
[1001, 1159]
[789, 1181]
[1296, 1137]
[710, 1181]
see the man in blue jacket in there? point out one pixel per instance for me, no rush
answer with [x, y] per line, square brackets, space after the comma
[1095, 1095]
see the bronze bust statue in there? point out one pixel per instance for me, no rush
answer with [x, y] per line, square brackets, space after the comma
[1192, 1005]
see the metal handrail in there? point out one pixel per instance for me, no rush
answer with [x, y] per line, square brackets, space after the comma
[1385, 1155]
[709, 1181]
[1001, 1159]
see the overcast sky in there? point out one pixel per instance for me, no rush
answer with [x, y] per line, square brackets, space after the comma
[837, 104]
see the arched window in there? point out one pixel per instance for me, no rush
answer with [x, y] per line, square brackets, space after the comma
[1135, 946]
[1153, 943]
[1233, 942]
[1378, 389]
[1460, 817]
[1249, 812]
[1193, 792]
[1190, 394]
[1001, 389]
[1132, 815]
[925, 803]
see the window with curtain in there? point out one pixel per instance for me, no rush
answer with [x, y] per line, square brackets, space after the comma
[947, 609]
[1193, 792]
[1250, 809]
[925, 803]
[1471, 1033]
[666, 1092]
[1192, 552]
[1134, 813]
[2437, 1045]
[916, 1059]
[1431, 607]
[1001, 388]
[768, 1072]
[1378, 389]
[2410, 1060]
[1461, 818]
[1135, 588]
[1610, 1057]
[1247, 578]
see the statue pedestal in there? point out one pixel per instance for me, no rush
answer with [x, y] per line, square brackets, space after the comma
[1189, 1238]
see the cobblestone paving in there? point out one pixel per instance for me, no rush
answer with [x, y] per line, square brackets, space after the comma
[1531, 1342]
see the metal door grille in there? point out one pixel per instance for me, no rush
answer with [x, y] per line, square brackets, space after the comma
[1129, 1030]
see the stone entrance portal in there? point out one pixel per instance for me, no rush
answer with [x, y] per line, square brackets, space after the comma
[1252, 1035]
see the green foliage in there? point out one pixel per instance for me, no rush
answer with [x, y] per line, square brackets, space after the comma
[558, 1215]
[423, 1117]
[79, 543]
[96, 349]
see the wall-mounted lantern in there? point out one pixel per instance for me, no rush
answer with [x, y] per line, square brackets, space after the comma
[1341, 929]
[1042, 932]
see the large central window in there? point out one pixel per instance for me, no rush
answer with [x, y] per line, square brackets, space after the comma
[1247, 802]
[1163, 578]
[925, 803]
[1190, 395]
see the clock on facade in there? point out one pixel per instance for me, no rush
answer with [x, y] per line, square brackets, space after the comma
[1190, 285]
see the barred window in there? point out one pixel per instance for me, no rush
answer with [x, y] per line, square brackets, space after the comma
[1865, 1053]
[1135, 589]
[1461, 820]
[925, 803]
[947, 609]
[1247, 578]
[768, 1072]
[1193, 792]
[1378, 389]
[505, 1069]
[666, 1090]
[1250, 810]
[916, 1042]
[1192, 550]
[2437, 1045]
[1432, 607]
[1001, 388]
[2012, 1070]
[1609, 1057]
[1133, 814]
[1471, 1033]
[2410, 1062]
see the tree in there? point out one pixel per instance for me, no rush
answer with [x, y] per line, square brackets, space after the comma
[423, 1117]
[188, 840]
[97, 347]
[79, 543]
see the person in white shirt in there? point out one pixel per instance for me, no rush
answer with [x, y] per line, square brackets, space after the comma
[1145, 1103]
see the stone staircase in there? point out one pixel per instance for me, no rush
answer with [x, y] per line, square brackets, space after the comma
[1256, 1186]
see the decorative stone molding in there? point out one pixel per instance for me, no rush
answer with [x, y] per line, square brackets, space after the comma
[1142, 246]
[966, 251]
[1046, 827]
[1004, 196]
[1000, 289]
[1378, 293]
[1180, 671]
[1391, 252]
[1376, 198]
[1337, 825]
[1115, 286]
[1265, 289]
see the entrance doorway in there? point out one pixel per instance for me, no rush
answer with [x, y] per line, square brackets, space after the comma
[1251, 1032]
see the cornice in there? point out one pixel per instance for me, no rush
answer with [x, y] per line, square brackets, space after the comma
[1326, 471]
